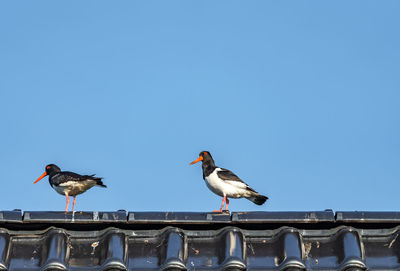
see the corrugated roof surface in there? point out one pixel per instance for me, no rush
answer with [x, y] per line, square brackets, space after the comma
[199, 241]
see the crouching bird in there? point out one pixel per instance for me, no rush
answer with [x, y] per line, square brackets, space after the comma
[69, 183]
[225, 183]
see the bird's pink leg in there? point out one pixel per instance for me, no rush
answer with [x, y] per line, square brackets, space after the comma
[73, 204]
[66, 207]
[222, 205]
[227, 204]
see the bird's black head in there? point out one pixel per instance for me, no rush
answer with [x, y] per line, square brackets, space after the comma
[50, 170]
[204, 156]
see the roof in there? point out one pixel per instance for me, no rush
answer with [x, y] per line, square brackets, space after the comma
[119, 240]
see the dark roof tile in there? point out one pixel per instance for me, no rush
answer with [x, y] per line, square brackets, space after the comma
[134, 243]
[76, 217]
[178, 217]
[14, 216]
[283, 217]
[368, 217]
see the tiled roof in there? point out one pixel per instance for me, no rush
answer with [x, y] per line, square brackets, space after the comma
[290, 241]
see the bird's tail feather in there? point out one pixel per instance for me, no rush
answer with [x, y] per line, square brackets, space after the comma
[258, 199]
[99, 181]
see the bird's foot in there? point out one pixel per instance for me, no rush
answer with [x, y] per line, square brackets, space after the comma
[221, 211]
[218, 211]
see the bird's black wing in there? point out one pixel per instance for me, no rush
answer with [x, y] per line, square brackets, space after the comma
[79, 177]
[67, 176]
[228, 175]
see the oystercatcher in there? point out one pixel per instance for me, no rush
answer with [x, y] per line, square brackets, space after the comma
[69, 183]
[225, 183]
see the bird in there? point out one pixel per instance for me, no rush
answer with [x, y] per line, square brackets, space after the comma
[69, 183]
[225, 183]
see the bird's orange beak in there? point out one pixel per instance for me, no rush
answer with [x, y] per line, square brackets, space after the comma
[41, 177]
[197, 160]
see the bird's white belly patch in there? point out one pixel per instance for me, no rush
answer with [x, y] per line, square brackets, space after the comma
[60, 189]
[70, 183]
[73, 188]
[221, 187]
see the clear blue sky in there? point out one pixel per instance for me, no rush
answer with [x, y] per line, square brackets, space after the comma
[299, 99]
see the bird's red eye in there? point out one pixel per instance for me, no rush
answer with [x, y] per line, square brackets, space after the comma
[204, 153]
[48, 167]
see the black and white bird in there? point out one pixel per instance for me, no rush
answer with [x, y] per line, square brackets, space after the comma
[69, 183]
[225, 183]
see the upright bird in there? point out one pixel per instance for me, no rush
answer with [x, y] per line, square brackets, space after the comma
[69, 183]
[225, 183]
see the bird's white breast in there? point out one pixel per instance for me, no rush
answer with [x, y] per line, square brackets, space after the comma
[232, 189]
[59, 189]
